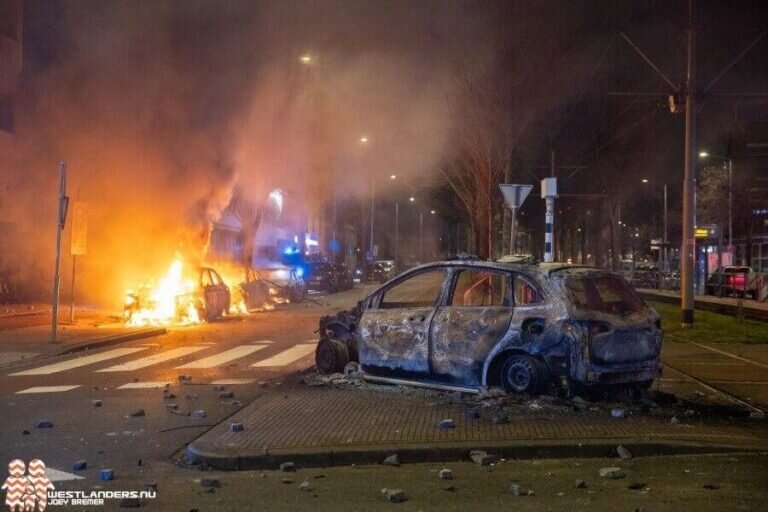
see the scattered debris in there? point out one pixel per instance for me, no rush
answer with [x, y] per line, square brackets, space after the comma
[447, 424]
[198, 414]
[516, 490]
[617, 413]
[44, 424]
[674, 420]
[173, 407]
[79, 465]
[482, 458]
[446, 474]
[210, 483]
[236, 427]
[305, 486]
[138, 413]
[226, 394]
[392, 460]
[96, 403]
[624, 454]
[184, 378]
[612, 473]
[581, 484]
[106, 474]
[288, 467]
[130, 503]
[394, 495]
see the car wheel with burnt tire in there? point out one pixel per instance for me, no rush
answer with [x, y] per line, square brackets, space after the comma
[331, 356]
[523, 374]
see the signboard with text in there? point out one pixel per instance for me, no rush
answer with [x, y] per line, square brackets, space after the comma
[79, 235]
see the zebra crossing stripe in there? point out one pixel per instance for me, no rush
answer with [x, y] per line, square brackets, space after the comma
[288, 356]
[144, 385]
[153, 359]
[46, 389]
[223, 357]
[77, 362]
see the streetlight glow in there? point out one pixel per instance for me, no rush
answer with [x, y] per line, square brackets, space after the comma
[392, 177]
[411, 199]
[703, 154]
[432, 212]
[645, 180]
[305, 59]
[364, 140]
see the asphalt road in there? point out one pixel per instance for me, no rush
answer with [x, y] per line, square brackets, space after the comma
[133, 376]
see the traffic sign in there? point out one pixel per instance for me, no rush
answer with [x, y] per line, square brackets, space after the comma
[514, 195]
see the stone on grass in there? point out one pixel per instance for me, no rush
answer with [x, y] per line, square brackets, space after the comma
[106, 474]
[236, 427]
[130, 503]
[516, 490]
[44, 424]
[624, 454]
[447, 424]
[674, 420]
[138, 413]
[446, 474]
[482, 458]
[392, 460]
[612, 473]
[305, 486]
[210, 483]
[581, 484]
[288, 467]
[394, 495]
[198, 414]
[226, 394]
[79, 465]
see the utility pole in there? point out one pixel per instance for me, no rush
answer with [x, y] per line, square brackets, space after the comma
[397, 232]
[688, 249]
[421, 235]
[61, 218]
[373, 195]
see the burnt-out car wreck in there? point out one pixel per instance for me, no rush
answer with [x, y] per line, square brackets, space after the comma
[468, 325]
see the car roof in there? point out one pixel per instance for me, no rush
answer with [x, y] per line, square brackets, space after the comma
[542, 270]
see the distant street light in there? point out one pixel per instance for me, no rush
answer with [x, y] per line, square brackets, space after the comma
[645, 180]
[432, 212]
[364, 140]
[703, 154]
[305, 59]
[411, 199]
[392, 177]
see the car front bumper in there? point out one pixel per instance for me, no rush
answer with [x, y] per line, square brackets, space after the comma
[623, 374]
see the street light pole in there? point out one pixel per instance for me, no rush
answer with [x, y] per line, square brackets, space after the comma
[373, 195]
[397, 232]
[730, 208]
[421, 233]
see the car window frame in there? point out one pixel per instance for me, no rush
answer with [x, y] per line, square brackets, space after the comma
[378, 296]
[458, 269]
[532, 283]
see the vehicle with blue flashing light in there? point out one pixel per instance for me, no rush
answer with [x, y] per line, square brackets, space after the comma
[467, 324]
[321, 277]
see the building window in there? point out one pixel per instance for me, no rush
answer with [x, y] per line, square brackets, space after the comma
[6, 113]
[9, 19]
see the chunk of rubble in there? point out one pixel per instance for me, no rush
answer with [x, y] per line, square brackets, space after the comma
[482, 458]
[623, 453]
[138, 413]
[447, 424]
[96, 403]
[446, 474]
[226, 394]
[288, 467]
[200, 413]
[236, 427]
[394, 495]
[305, 486]
[612, 473]
[580, 484]
[44, 424]
[392, 460]
[516, 490]
[79, 465]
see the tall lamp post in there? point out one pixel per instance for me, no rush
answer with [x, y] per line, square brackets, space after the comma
[729, 162]
[663, 256]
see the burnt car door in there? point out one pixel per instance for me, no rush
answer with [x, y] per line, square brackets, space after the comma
[394, 330]
[221, 291]
[471, 322]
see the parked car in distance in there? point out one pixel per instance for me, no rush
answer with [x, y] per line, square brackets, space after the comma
[321, 277]
[266, 286]
[384, 270]
[733, 280]
[473, 324]
[344, 279]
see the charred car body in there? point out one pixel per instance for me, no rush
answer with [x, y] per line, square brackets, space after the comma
[472, 324]
[267, 286]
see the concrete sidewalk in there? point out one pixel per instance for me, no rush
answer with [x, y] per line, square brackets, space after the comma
[326, 426]
[726, 305]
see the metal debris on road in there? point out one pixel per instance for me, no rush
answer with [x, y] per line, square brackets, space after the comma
[96, 403]
[612, 473]
[394, 495]
[44, 424]
[106, 475]
[288, 467]
[446, 474]
[624, 454]
[198, 414]
[447, 424]
[79, 465]
[392, 460]
[482, 458]
[236, 427]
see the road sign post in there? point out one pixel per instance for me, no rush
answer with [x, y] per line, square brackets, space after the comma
[549, 193]
[514, 196]
[61, 219]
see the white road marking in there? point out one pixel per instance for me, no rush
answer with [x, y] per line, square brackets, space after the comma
[46, 389]
[57, 475]
[77, 362]
[223, 357]
[232, 382]
[288, 356]
[153, 359]
[731, 355]
[143, 385]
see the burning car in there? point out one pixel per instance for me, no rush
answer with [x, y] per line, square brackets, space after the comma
[178, 297]
[473, 324]
[266, 286]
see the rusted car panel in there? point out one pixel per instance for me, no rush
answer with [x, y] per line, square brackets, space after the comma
[525, 325]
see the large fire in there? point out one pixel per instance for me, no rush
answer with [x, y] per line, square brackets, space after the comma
[172, 300]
